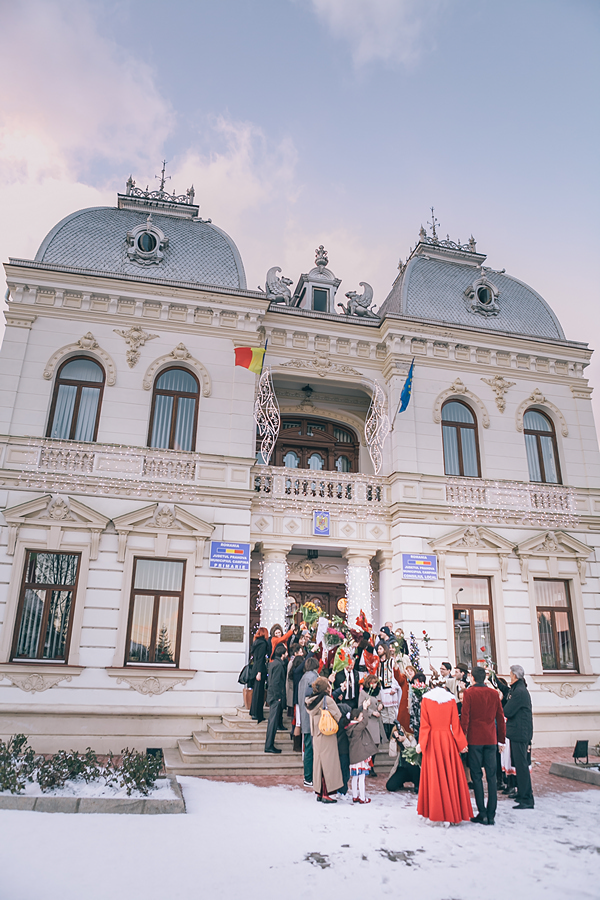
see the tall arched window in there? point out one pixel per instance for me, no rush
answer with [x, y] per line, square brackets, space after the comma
[459, 433]
[540, 444]
[174, 410]
[75, 410]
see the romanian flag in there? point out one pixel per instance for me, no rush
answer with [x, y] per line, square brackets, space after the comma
[250, 358]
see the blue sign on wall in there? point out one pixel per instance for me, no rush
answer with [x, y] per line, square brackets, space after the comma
[228, 555]
[419, 567]
[321, 522]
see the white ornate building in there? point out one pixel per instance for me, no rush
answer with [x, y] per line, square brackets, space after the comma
[129, 446]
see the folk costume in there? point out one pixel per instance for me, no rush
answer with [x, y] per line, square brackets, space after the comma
[362, 750]
[443, 792]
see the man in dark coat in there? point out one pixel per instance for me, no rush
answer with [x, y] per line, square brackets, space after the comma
[276, 696]
[519, 730]
[482, 721]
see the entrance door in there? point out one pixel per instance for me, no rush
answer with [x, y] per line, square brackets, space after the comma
[324, 595]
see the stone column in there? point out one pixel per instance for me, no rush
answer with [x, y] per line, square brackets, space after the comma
[273, 593]
[386, 599]
[358, 586]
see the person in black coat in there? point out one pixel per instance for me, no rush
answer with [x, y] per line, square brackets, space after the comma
[519, 731]
[276, 696]
[258, 674]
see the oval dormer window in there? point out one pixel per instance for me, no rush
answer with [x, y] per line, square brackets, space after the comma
[484, 295]
[146, 242]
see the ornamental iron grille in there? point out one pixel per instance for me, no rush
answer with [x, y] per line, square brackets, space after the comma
[267, 416]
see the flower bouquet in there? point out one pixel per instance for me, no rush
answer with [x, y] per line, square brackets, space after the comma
[311, 613]
[344, 659]
[334, 637]
[412, 757]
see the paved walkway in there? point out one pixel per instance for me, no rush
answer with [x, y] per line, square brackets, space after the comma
[543, 782]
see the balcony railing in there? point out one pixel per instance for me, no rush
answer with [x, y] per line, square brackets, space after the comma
[283, 487]
[530, 503]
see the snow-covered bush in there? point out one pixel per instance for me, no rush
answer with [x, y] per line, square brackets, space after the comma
[17, 764]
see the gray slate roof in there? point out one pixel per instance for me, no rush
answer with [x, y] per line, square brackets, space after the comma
[95, 239]
[433, 289]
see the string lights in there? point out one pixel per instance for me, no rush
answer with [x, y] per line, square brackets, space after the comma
[359, 592]
[272, 600]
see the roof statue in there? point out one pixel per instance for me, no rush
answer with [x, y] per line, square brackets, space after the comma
[276, 288]
[360, 304]
[321, 258]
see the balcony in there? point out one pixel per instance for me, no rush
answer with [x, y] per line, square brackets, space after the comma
[63, 466]
[280, 488]
[512, 502]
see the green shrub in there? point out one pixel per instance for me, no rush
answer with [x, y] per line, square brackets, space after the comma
[17, 764]
[139, 771]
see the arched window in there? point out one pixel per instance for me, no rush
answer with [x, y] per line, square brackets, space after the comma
[317, 444]
[459, 433]
[540, 444]
[75, 410]
[174, 410]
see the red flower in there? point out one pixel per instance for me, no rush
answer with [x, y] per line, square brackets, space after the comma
[482, 649]
[424, 632]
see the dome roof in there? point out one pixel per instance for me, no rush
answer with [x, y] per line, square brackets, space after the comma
[100, 239]
[450, 286]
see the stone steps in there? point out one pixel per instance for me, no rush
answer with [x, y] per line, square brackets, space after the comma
[235, 747]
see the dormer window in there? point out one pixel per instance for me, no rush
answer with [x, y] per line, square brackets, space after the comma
[146, 242]
[320, 299]
[482, 297]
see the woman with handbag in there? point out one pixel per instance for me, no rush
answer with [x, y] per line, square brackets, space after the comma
[258, 673]
[324, 716]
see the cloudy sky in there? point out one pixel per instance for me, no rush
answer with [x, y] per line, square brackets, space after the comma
[303, 122]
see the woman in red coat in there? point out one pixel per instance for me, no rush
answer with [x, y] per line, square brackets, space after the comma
[443, 792]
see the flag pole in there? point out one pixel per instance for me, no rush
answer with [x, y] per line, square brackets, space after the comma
[263, 360]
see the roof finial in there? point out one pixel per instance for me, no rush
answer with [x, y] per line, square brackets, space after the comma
[433, 223]
[321, 256]
[163, 177]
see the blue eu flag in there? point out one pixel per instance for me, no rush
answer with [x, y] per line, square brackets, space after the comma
[407, 389]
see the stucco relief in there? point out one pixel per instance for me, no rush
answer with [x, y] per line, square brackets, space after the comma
[458, 388]
[179, 354]
[88, 344]
[538, 399]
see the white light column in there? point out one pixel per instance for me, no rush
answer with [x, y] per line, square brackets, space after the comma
[273, 589]
[358, 586]
[386, 598]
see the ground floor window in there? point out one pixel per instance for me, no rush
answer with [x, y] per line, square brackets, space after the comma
[555, 625]
[45, 612]
[154, 627]
[473, 620]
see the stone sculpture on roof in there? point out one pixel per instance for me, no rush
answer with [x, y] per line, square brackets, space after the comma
[276, 288]
[360, 304]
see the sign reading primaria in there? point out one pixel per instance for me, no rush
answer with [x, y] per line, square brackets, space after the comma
[227, 555]
[419, 566]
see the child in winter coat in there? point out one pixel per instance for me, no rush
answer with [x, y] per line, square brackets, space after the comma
[362, 748]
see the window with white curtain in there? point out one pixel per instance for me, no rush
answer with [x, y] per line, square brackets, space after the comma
[174, 410]
[459, 434]
[45, 612]
[75, 410]
[154, 626]
[541, 449]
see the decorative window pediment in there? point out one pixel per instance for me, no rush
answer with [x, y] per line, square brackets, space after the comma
[459, 389]
[553, 546]
[538, 399]
[179, 354]
[59, 514]
[482, 297]
[472, 540]
[90, 346]
[162, 521]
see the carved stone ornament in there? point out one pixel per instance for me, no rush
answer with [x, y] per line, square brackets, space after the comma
[482, 297]
[135, 337]
[164, 517]
[34, 683]
[500, 386]
[150, 685]
[147, 243]
[537, 398]
[179, 354]
[307, 568]
[360, 304]
[278, 289]
[58, 508]
[471, 539]
[89, 344]
[566, 689]
[321, 364]
[460, 389]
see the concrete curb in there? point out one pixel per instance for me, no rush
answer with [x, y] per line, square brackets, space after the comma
[144, 806]
[576, 773]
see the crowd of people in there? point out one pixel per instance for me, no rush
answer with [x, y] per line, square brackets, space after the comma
[367, 694]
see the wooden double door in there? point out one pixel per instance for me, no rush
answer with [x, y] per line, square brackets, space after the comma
[322, 594]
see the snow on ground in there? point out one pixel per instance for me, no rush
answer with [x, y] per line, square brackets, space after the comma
[96, 789]
[239, 840]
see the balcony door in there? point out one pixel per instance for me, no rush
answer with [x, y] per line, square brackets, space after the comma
[317, 444]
